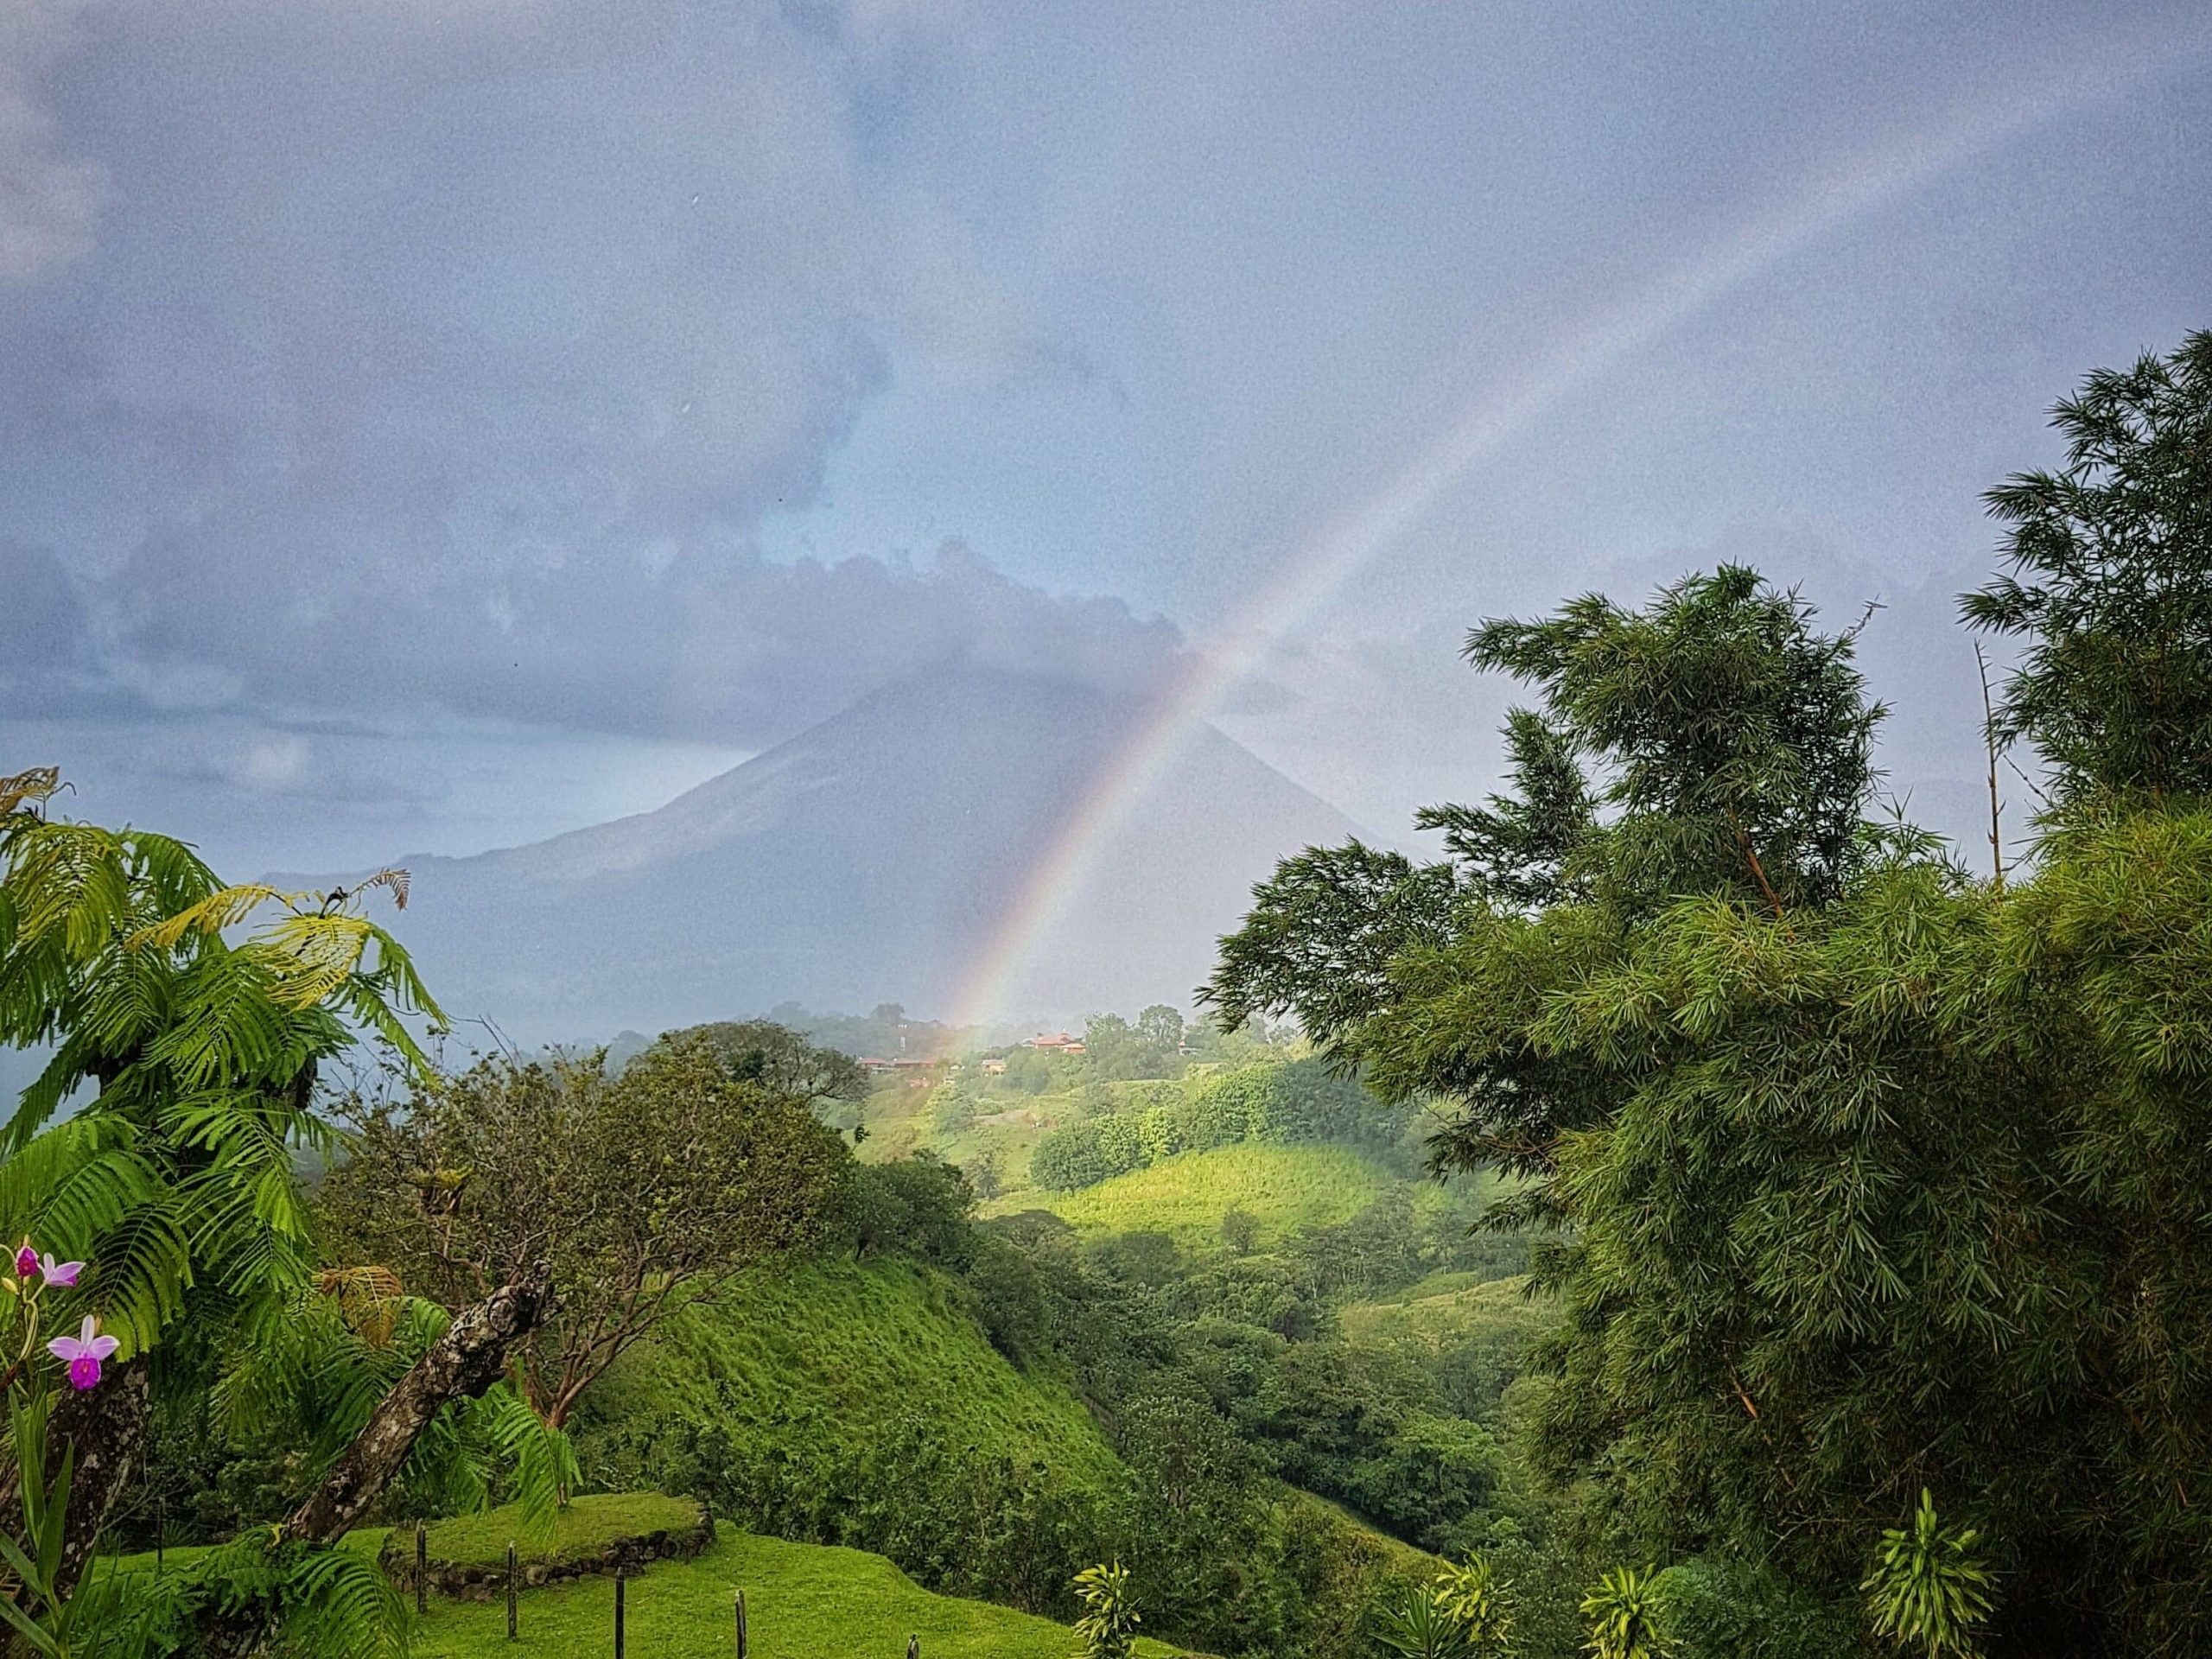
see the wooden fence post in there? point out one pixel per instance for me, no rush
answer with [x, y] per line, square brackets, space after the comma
[421, 1568]
[740, 1624]
[619, 1582]
[511, 1592]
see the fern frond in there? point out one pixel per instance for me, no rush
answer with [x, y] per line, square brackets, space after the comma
[224, 908]
[541, 1459]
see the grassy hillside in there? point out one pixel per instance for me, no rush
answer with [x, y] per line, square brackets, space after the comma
[802, 1601]
[1449, 1310]
[853, 1345]
[1283, 1188]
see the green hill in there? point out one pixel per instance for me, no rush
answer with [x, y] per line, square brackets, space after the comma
[851, 1348]
[1283, 1188]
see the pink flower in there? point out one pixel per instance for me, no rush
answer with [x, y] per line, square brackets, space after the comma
[26, 1260]
[59, 1273]
[83, 1353]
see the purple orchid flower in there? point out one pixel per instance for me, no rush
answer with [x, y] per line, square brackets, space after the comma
[83, 1353]
[59, 1273]
[26, 1260]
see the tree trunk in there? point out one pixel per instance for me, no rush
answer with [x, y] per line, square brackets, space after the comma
[107, 1428]
[461, 1365]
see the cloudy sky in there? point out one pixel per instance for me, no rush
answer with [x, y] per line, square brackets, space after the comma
[429, 424]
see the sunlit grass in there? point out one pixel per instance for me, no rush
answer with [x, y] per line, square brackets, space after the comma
[802, 1601]
[1282, 1188]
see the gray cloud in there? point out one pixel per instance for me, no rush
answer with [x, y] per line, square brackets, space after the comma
[449, 357]
[50, 200]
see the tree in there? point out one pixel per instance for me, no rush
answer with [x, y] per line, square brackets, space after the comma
[780, 1059]
[1866, 1176]
[645, 1191]
[2109, 587]
[1162, 1029]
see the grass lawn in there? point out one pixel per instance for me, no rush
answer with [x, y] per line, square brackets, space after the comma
[1284, 1188]
[586, 1525]
[802, 1601]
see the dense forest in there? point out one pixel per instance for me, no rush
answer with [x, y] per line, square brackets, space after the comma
[1699, 1213]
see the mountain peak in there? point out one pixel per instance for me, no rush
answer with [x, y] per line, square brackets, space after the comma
[871, 857]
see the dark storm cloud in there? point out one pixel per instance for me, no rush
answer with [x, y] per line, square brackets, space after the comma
[450, 355]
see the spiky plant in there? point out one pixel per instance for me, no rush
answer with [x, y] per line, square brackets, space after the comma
[1929, 1589]
[1476, 1600]
[1109, 1621]
[1626, 1616]
[1414, 1624]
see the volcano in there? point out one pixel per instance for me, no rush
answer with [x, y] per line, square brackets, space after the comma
[873, 857]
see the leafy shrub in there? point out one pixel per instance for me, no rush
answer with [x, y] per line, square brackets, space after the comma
[1733, 1610]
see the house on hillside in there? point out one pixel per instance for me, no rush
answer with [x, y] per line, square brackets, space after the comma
[1057, 1042]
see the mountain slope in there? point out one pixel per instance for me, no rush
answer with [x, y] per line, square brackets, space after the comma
[871, 858]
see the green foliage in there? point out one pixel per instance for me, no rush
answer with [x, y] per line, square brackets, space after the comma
[114, 948]
[1281, 1188]
[1862, 1177]
[802, 1373]
[49, 1616]
[197, 1017]
[805, 1601]
[1151, 1046]
[2109, 587]
[1929, 1589]
[1107, 1628]
[1627, 1613]
[319, 1601]
[1323, 934]
[917, 1207]
[1719, 1608]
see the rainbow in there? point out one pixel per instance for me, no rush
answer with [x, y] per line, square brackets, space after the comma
[1850, 187]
